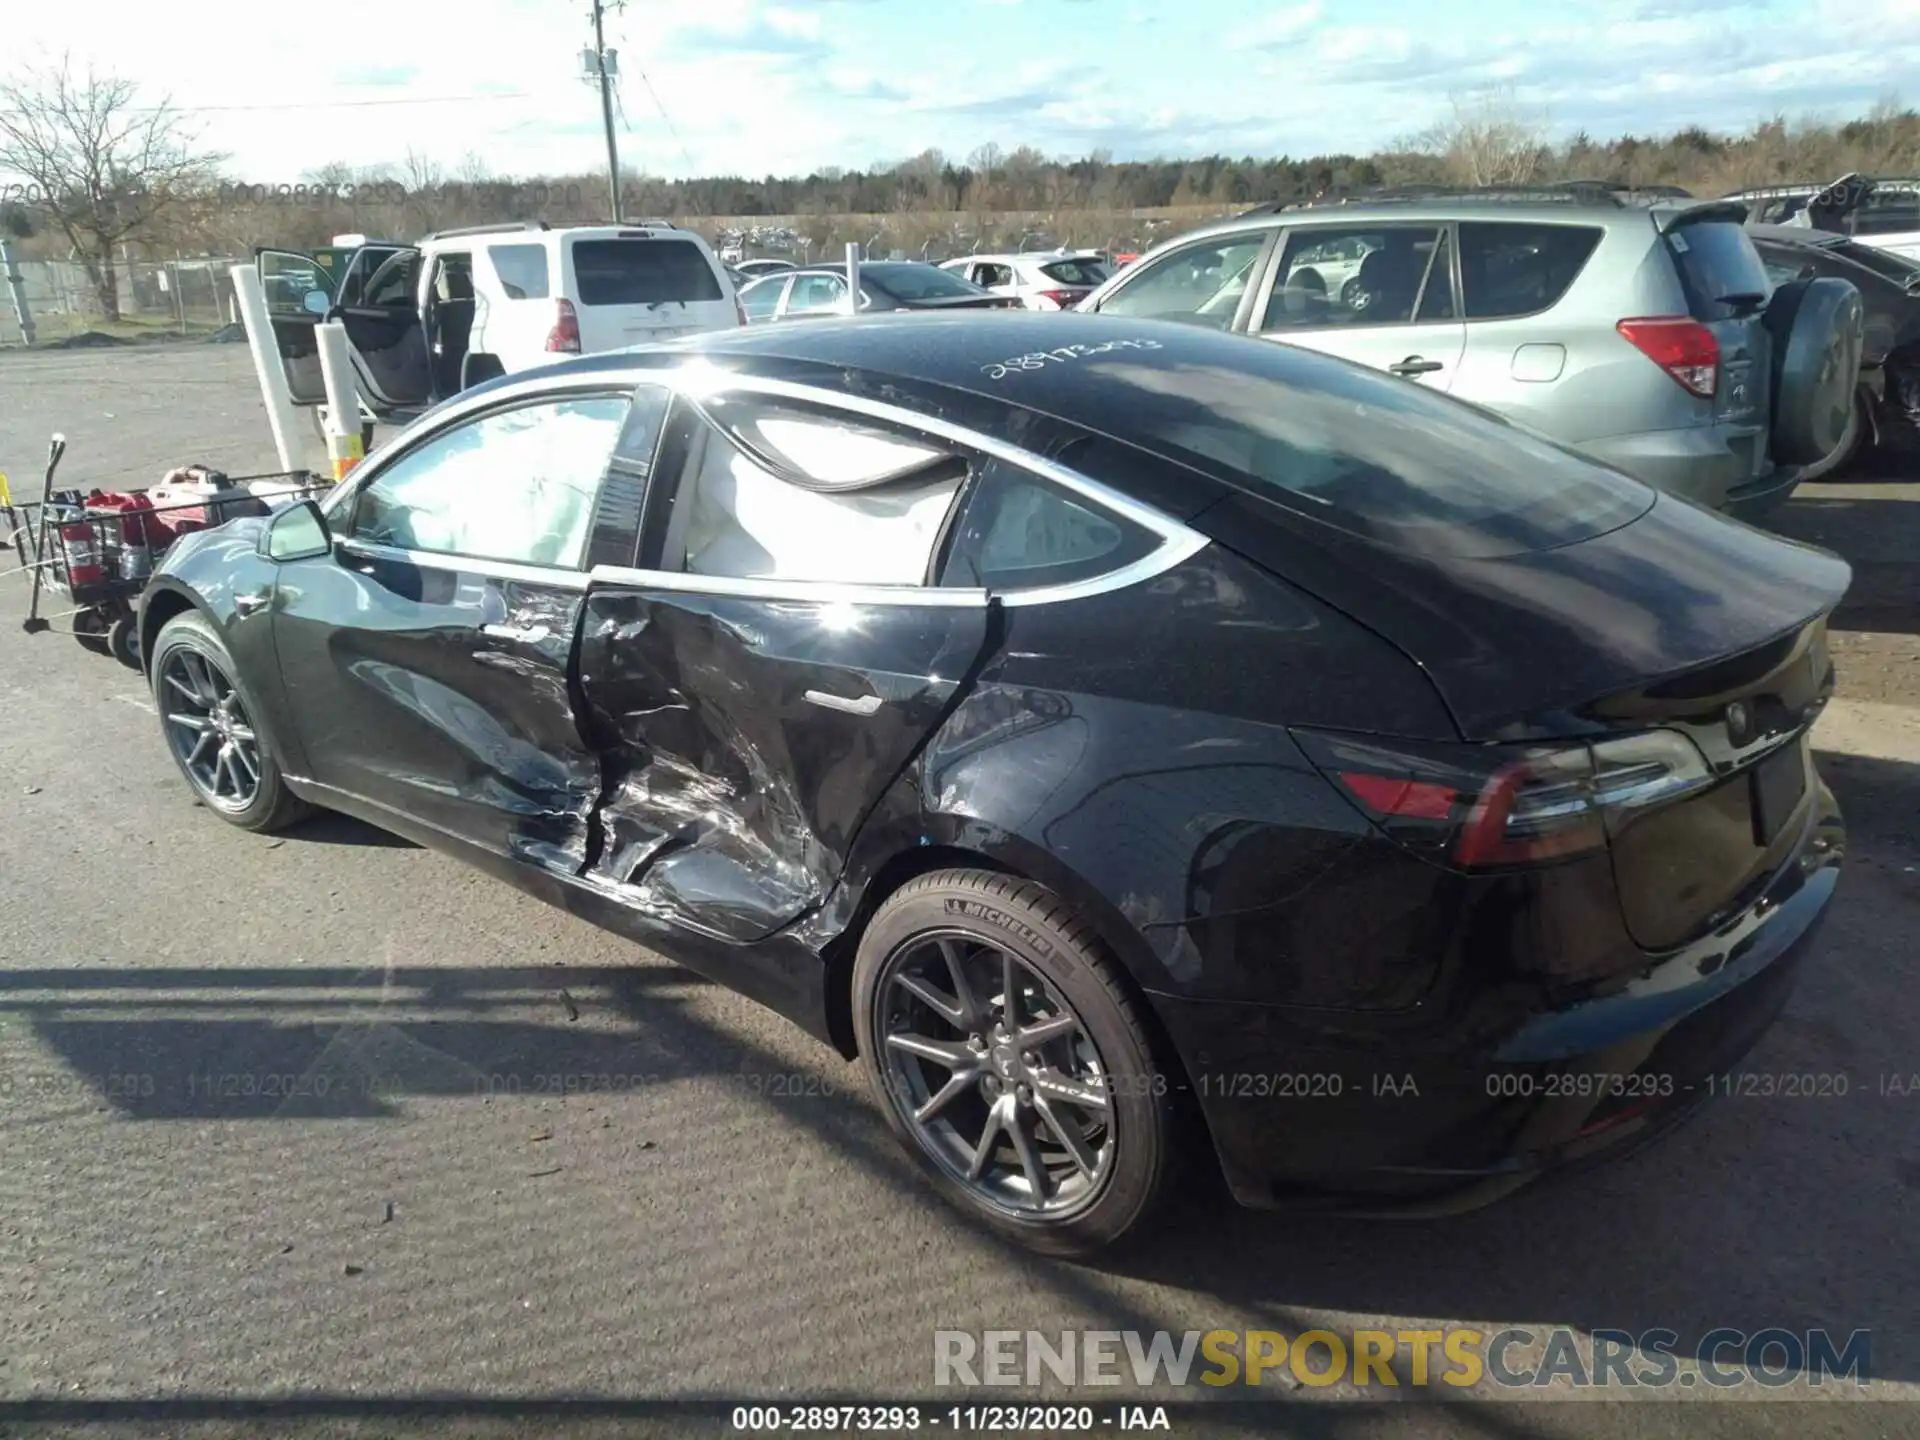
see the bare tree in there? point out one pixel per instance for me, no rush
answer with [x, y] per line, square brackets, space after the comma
[1491, 138]
[109, 172]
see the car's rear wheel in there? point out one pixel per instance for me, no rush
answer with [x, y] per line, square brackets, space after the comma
[215, 733]
[1012, 1058]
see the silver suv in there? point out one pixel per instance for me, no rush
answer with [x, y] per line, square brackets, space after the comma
[1643, 332]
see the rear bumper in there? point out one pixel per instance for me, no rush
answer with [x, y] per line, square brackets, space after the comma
[1415, 1114]
[1711, 465]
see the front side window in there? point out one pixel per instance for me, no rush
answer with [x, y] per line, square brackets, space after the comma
[517, 485]
[814, 293]
[391, 287]
[1199, 284]
[771, 492]
[762, 297]
[1360, 276]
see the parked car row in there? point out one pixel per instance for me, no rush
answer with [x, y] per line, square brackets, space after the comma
[1643, 329]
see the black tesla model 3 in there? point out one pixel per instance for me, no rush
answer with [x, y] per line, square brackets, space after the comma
[1113, 735]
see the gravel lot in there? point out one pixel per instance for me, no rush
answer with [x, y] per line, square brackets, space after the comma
[725, 1215]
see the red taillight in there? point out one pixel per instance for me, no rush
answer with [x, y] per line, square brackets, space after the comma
[1684, 348]
[564, 338]
[1483, 807]
[1062, 299]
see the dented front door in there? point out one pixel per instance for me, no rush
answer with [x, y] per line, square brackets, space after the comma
[749, 735]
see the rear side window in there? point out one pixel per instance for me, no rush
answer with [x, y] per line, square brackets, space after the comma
[643, 272]
[1074, 272]
[774, 493]
[1716, 259]
[1508, 269]
[522, 270]
[1018, 532]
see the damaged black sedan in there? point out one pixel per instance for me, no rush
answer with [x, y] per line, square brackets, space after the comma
[1132, 744]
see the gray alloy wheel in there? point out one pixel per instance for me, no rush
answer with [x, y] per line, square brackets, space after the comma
[215, 732]
[1004, 1087]
[211, 733]
[1015, 1061]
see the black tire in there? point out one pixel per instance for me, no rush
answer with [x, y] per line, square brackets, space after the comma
[191, 640]
[1859, 428]
[1063, 975]
[1817, 326]
[123, 641]
[477, 369]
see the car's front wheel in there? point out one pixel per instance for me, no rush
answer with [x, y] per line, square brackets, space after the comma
[215, 733]
[1012, 1057]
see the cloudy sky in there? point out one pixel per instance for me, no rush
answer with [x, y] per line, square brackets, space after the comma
[746, 87]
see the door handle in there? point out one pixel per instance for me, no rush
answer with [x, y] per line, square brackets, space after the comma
[246, 604]
[531, 635]
[1415, 365]
[864, 705]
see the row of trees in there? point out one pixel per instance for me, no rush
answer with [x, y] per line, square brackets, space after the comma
[86, 170]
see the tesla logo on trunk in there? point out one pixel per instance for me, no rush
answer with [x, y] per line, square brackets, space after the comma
[1739, 723]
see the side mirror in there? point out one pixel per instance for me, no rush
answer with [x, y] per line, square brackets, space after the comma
[298, 532]
[316, 302]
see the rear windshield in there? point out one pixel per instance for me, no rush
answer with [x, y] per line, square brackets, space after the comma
[1075, 272]
[916, 282]
[1360, 450]
[642, 272]
[1717, 260]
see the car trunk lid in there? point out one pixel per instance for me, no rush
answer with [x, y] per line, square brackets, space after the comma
[1678, 620]
[1727, 288]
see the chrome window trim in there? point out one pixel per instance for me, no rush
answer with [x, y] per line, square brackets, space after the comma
[698, 379]
[559, 577]
[824, 592]
[702, 383]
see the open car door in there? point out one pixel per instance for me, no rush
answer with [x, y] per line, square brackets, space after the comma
[388, 338]
[299, 294]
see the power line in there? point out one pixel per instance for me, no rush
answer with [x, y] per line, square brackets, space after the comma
[324, 104]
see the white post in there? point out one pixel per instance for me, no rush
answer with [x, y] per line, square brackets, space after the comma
[853, 277]
[343, 398]
[266, 360]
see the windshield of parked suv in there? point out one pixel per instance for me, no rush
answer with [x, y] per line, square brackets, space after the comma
[1358, 449]
[642, 272]
[905, 280]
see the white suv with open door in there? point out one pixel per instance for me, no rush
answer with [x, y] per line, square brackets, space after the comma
[427, 321]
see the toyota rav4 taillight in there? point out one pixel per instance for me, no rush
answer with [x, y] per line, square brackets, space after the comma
[1482, 807]
[1682, 347]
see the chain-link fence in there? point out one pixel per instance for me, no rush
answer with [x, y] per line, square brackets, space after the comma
[158, 300]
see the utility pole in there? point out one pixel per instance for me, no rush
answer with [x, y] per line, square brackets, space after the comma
[606, 106]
